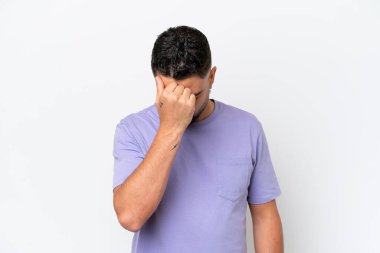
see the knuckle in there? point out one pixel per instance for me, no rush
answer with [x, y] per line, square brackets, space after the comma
[173, 96]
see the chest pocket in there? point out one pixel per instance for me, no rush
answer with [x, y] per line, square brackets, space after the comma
[233, 177]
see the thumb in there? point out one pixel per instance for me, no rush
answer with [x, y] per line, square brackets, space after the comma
[159, 87]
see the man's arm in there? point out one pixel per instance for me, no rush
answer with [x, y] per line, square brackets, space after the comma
[267, 228]
[138, 196]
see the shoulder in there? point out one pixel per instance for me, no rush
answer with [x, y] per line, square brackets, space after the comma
[136, 119]
[241, 116]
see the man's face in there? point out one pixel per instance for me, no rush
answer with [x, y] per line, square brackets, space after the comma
[200, 87]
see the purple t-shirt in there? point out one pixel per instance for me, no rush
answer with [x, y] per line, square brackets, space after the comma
[222, 162]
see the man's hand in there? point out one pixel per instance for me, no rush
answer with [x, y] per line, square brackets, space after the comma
[175, 105]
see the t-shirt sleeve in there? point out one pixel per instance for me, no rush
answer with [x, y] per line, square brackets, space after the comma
[264, 185]
[126, 152]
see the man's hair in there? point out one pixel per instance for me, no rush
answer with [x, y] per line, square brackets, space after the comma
[181, 52]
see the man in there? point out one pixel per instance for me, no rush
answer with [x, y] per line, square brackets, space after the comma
[186, 167]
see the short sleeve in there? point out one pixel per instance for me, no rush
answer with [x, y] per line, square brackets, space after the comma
[126, 152]
[264, 185]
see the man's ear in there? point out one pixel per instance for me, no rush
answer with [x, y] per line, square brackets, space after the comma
[212, 76]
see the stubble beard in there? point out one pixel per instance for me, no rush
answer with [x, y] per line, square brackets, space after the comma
[203, 107]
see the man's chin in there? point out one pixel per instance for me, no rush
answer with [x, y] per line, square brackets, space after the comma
[196, 116]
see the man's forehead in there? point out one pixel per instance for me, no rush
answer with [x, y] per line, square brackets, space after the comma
[191, 82]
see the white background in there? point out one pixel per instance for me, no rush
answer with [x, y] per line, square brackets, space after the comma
[70, 70]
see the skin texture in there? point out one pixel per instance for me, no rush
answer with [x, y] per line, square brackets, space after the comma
[267, 228]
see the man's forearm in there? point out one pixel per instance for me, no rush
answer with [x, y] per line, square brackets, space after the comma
[140, 194]
[267, 234]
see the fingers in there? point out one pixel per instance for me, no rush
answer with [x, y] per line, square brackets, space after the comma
[174, 87]
[186, 93]
[171, 86]
[159, 87]
[192, 99]
[178, 90]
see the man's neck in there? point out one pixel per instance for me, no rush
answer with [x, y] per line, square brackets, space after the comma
[209, 109]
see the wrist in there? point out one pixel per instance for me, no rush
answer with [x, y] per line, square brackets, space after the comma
[170, 133]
